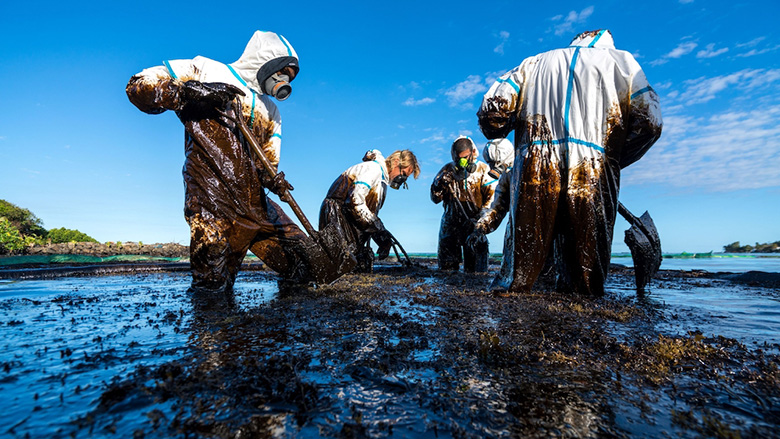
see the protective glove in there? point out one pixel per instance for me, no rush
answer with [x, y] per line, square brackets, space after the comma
[476, 239]
[278, 185]
[207, 96]
[384, 240]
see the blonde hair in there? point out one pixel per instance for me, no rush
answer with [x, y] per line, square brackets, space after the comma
[403, 158]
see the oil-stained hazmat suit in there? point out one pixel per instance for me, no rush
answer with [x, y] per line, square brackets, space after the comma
[465, 187]
[353, 201]
[226, 204]
[500, 156]
[580, 115]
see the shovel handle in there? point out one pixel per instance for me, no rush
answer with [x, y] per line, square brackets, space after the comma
[239, 121]
[625, 213]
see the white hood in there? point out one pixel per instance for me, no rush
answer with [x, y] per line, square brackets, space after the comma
[262, 48]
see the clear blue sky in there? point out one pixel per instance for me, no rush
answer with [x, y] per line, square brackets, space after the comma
[393, 75]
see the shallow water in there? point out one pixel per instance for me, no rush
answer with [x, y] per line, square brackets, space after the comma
[112, 355]
[728, 262]
[62, 340]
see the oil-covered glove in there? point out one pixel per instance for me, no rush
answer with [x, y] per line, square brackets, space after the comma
[384, 240]
[206, 96]
[278, 185]
[477, 238]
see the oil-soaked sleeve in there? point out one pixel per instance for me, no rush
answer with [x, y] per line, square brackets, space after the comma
[276, 137]
[363, 183]
[439, 186]
[497, 112]
[488, 189]
[156, 89]
[491, 216]
[644, 120]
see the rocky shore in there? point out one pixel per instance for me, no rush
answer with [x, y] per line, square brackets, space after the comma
[169, 250]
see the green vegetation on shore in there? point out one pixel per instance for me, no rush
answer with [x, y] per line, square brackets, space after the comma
[734, 247]
[20, 228]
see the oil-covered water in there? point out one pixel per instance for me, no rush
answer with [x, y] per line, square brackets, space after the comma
[406, 354]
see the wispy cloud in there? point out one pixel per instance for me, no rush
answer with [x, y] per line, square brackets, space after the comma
[411, 102]
[756, 51]
[503, 37]
[705, 89]
[462, 92]
[752, 43]
[685, 2]
[682, 49]
[729, 151]
[711, 52]
[433, 138]
[571, 19]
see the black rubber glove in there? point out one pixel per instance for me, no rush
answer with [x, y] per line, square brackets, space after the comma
[384, 240]
[207, 97]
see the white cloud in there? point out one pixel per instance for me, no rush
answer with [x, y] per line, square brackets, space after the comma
[571, 19]
[705, 89]
[710, 52]
[436, 137]
[504, 37]
[464, 91]
[682, 49]
[685, 2]
[752, 43]
[754, 52]
[728, 151]
[411, 102]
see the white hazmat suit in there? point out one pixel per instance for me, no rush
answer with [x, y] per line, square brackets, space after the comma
[226, 205]
[580, 115]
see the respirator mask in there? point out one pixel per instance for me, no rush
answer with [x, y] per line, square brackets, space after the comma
[398, 181]
[466, 164]
[278, 86]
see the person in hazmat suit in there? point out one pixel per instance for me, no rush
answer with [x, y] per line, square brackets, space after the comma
[580, 115]
[356, 196]
[226, 205]
[466, 187]
[499, 154]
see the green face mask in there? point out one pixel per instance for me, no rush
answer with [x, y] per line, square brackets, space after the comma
[463, 162]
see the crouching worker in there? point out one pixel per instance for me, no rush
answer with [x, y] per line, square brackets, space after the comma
[226, 204]
[354, 200]
[466, 187]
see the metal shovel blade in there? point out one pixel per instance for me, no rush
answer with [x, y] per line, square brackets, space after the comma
[332, 256]
[645, 245]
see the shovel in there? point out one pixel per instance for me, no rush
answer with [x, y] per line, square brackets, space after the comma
[325, 248]
[645, 245]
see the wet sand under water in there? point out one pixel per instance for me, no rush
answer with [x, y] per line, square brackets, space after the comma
[401, 353]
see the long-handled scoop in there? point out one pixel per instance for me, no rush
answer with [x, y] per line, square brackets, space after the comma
[328, 256]
[645, 245]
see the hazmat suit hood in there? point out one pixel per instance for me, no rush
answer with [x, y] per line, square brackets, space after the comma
[595, 38]
[265, 54]
[454, 151]
[499, 154]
